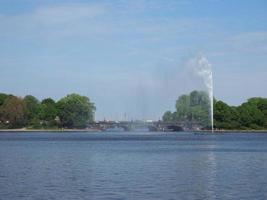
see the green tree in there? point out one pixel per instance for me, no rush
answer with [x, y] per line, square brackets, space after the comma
[32, 105]
[262, 106]
[48, 113]
[75, 111]
[250, 116]
[12, 112]
[48, 110]
[225, 117]
[167, 116]
[32, 108]
[194, 107]
[182, 108]
[3, 97]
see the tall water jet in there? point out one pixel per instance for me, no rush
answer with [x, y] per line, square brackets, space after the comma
[203, 69]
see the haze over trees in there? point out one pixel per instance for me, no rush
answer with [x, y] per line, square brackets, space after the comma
[72, 111]
[192, 108]
[195, 108]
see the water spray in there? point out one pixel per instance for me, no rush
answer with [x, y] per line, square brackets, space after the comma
[203, 69]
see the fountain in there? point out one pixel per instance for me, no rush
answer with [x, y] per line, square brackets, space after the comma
[203, 69]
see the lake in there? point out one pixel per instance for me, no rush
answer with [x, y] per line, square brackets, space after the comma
[141, 165]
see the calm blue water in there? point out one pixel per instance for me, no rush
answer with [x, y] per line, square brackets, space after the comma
[145, 166]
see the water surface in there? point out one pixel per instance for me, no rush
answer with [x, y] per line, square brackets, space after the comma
[133, 166]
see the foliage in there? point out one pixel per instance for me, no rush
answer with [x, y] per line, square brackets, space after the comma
[225, 116]
[3, 97]
[12, 112]
[32, 108]
[192, 108]
[249, 115]
[168, 116]
[75, 111]
[48, 110]
[195, 108]
[72, 111]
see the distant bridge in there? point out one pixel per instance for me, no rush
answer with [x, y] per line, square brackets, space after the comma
[139, 125]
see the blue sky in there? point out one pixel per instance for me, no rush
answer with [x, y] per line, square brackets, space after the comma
[130, 56]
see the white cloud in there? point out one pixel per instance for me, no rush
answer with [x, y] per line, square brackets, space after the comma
[101, 19]
[67, 13]
[52, 20]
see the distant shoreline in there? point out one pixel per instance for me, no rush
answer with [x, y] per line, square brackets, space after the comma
[49, 130]
[233, 131]
[97, 130]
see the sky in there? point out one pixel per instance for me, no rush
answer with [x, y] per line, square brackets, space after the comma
[130, 57]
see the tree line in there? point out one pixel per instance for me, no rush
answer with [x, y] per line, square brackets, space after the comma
[195, 108]
[76, 111]
[71, 111]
